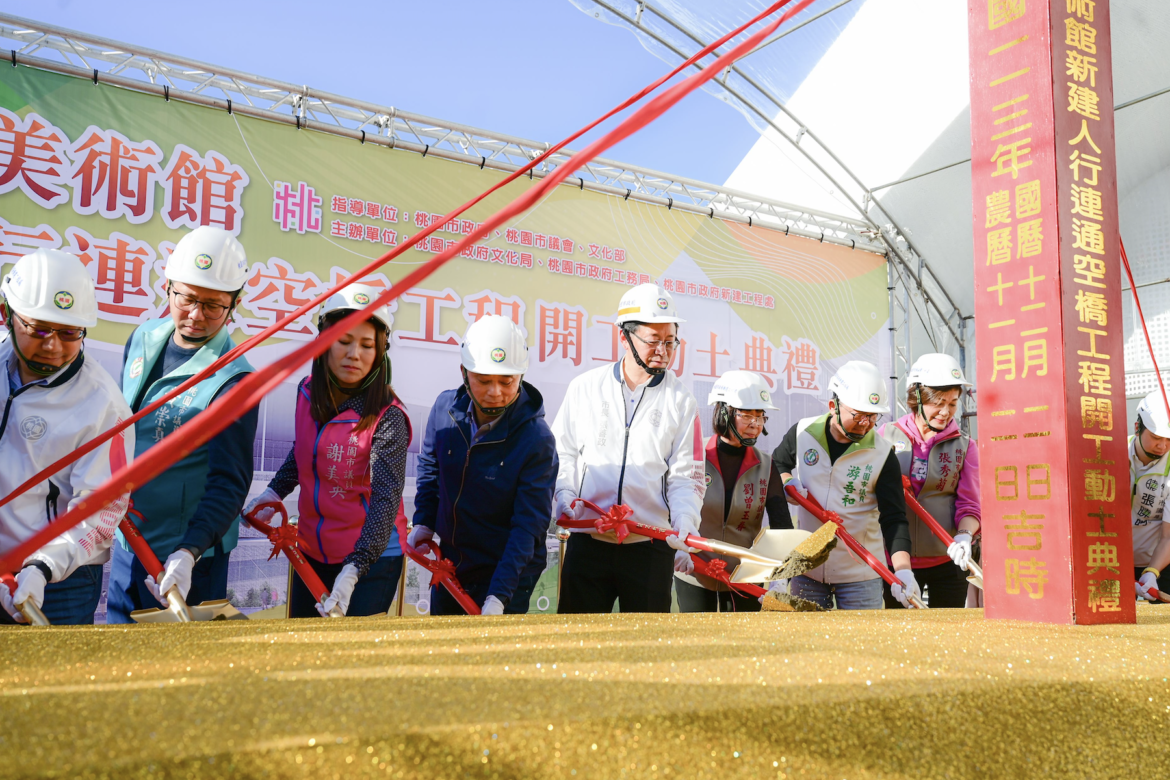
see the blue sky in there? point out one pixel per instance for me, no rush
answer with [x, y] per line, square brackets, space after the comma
[539, 69]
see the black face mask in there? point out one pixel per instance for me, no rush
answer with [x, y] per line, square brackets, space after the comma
[638, 358]
[488, 411]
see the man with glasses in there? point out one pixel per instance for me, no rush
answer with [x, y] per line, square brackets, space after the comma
[190, 512]
[838, 459]
[628, 434]
[56, 401]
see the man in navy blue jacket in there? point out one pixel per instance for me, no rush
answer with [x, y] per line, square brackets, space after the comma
[486, 474]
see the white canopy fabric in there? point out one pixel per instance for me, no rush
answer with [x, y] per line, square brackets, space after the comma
[884, 84]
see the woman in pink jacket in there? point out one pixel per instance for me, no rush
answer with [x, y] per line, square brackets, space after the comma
[943, 465]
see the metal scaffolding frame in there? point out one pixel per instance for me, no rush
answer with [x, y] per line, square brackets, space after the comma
[914, 286]
[105, 61]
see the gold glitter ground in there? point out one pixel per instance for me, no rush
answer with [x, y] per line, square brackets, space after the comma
[850, 695]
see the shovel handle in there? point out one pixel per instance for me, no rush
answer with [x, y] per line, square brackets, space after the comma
[141, 549]
[299, 563]
[32, 613]
[923, 515]
[442, 573]
[811, 505]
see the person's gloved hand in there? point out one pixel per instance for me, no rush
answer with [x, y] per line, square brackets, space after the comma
[800, 488]
[565, 507]
[343, 586]
[1143, 586]
[909, 588]
[269, 496]
[176, 574]
[683, 563]
[686, 527]
[492, 606]
[9, 607]
[960, 550]
[418, 535]
[777, 587]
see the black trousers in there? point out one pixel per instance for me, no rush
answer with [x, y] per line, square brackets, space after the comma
[695, 598]
[943, 587]
[371, 596]
[596, 574]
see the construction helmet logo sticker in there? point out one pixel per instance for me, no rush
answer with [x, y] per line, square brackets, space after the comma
[874, 398]
[361, 298]
[707, 479]
[136, 368]
[765, 397]
[33, 427]
[498, 355]
[203, 261]
[663, 303]
[811, 457]
[956, 373]
[63, 300]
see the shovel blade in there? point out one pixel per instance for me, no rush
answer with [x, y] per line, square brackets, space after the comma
[976, 581]
[219, 609]
[778, 544]
[750, 571]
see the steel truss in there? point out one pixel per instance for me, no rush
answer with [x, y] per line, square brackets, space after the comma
[105, 61]
[914, 286]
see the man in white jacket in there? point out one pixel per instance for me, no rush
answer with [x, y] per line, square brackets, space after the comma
[56, 401]
[628, 434]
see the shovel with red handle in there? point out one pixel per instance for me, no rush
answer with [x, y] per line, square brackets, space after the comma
[177, 610]
[284, 539]
[32, 613]
[442, 572]
[825, 516]
[976, 577]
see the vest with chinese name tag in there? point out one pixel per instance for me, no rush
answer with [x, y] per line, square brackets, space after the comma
[168, 501]
[845, 487]
[333, 469]
[943, 465]
[745, 516]
[1149, 485]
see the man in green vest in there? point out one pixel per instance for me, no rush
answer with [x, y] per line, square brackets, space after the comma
[190, 512]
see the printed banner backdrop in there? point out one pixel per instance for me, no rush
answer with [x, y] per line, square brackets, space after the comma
[117, 177]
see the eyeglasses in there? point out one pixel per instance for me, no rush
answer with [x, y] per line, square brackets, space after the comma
[756, 419]
[870, 417]
[213, 311]
[38, 332]
[669, 346]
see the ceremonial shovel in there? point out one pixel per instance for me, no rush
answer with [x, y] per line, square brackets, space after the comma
[177, 611]
[976, 577]
[32, 613]
[284, 539]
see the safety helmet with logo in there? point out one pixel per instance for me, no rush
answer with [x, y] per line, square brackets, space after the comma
[209, 257]
[493, 345]
[50, 286]
[936, 370]
[647, 303]
[738, 390]
[858, 385]
[1152, 413]
[352, 297]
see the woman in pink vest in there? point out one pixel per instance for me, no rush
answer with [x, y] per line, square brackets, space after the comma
[943, 465]
[349, 459]
[742, 483]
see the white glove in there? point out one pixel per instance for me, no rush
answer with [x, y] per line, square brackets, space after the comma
[800, 488]
[342, 590]
[176, 574]
[1143, 586]
[418, 535]
[9, 607]
[565, 507]
[30, 584]
[777, 587]
[908, 588]
[492, 606]
[267, 497]
[686, 527]
[960, 550]
[683, 563]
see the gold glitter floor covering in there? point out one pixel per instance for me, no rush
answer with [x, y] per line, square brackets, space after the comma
[851, 695]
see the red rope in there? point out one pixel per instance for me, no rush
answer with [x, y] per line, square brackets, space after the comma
[249, 391]
[1145, 330]
[276, 327]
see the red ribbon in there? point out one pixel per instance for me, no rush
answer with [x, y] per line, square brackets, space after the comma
[286, 542]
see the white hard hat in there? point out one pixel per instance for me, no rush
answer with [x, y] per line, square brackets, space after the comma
[52, 286]
[1152, 411]
[494, 344]
[355, 296]
[860, 386]
[647, 303]
[936, 370]
[741, 390]
[209, 257]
